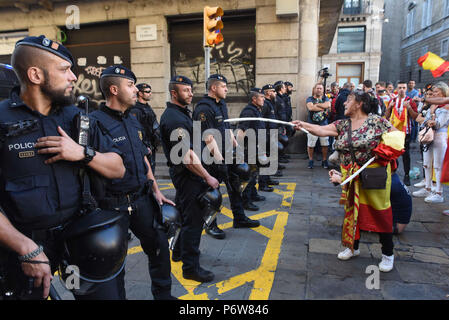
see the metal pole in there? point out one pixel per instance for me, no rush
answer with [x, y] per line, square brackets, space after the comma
[206, 64]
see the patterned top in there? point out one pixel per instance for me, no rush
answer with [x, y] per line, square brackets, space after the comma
[364, 139]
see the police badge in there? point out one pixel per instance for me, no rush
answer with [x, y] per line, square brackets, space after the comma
[202, 117]
[140, 134]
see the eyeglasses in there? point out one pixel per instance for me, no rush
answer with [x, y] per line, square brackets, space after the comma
[147, 91]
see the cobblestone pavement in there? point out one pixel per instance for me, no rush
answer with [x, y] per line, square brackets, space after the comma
[293, 254]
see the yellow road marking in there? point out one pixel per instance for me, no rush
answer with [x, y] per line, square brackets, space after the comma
[263, 276]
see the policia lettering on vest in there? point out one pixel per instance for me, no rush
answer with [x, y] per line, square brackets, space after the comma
[40, 184]
[137, 194]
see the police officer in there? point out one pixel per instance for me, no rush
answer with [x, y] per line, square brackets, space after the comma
[133, 194]
[211, 111]
[40, 162]
[268, 111]
[147, 118]
[189, 177]
[288, 103]
[252, 110]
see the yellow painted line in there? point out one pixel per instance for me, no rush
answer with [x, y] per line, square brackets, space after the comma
[263, 276]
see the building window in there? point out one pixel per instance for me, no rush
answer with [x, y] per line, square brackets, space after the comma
[409, 29]
[351, 39]
[349, 73]
[426, 13]
[446, 8]
[352, 7]
[408, 59]
[444, 47]
[424, 50]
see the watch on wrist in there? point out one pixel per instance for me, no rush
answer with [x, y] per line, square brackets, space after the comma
[89, 154]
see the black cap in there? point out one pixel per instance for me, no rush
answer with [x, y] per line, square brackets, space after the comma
[42, 42]
[268, 87]
[287, 83]
[218, 77]
[181, 80]
[118, 71]
[278, 83]
[143, 86]
[258, 90]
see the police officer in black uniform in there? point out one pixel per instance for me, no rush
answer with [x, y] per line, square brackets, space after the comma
[252, 110]
[148, 119]
[40, 163]
[268, 112]
[189, 177]
[137, 194]
[211, 111]
[288, 103]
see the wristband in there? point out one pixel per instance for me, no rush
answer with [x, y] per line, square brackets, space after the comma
[31, 255]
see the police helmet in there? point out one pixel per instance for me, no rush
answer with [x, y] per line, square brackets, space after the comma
[241, 170]
[95, 249]
[210, 201]
[171, 218]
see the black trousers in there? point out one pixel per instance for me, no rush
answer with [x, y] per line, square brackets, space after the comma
[250, 191]
[386, 239]
[154, 243]
[406, 155]
[188, 188]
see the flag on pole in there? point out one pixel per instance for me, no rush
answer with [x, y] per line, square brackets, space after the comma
[430, 61]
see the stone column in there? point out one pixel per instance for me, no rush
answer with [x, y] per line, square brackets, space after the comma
[307, 59]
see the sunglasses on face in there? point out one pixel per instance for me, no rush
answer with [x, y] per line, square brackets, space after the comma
[147, 91]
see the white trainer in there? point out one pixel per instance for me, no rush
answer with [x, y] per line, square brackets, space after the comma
[421, 184]
[422, 193]
[348, 254]
[434, 198]
[386, 265]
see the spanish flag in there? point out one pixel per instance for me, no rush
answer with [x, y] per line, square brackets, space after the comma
[370, 210]
[434, 63]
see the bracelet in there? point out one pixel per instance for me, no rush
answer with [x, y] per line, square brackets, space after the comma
[31, 255]
[36, 262]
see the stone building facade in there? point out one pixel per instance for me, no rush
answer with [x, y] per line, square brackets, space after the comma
[157, 39]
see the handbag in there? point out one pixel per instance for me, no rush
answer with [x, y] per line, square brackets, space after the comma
[426, 136]
[371, 178]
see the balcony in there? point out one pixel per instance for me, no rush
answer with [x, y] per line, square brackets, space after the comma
[356, 8]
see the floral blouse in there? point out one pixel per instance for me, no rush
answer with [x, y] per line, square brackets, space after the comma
[364, 139]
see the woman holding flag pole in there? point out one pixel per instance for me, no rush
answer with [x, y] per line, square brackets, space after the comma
[361, 139]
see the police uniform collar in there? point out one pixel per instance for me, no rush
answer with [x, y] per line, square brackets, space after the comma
[114, 113]
[214, 99]
[185, 109]
[15, 97]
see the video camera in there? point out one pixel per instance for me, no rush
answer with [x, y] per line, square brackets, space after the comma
[324, 73]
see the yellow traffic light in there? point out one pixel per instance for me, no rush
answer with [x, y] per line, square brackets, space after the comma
[212, 26]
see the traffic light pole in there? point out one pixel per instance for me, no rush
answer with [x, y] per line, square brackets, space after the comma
[207, 64]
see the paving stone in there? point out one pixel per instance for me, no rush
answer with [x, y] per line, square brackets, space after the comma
[432, 255]
[395, 290]
[424, 239]
[415, 272]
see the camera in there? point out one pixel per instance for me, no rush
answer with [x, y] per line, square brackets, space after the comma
[324, 73]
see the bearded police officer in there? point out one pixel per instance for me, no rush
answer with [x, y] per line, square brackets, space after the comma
[252, 110]
[288, 103]
[40, 163]
[189, 177]
[134, 193]
[212, 111]
[147, 118]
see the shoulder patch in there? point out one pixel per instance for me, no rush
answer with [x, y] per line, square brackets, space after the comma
[203, 117]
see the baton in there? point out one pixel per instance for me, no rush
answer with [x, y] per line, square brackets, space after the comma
[358, 171]
[265, 120]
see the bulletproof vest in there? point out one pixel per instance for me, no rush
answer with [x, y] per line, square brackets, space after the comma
[280, 108]
[149, 123]
[126, 132]
[269, 113]
[220, 113]
[252, 111]
[35, 195]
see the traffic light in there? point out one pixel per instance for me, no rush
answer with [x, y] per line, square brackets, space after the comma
[212, 26]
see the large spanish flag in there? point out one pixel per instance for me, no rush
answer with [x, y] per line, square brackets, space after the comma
[430, 61]
[445, 169]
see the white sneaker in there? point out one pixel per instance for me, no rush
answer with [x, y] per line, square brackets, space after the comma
[422, 193]
[347, 254]
[434, 198]
[421, 184]
[386, 265]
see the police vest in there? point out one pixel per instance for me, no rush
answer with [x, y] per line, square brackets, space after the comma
[35, 195]
[269, 113]
[126, 132]
[220, 113]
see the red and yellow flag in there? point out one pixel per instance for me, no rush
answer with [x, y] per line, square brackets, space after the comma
[430, 61]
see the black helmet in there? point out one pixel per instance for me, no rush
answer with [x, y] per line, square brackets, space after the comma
[96, 244]
[283, 139]
[241, 170]
[171, 222]
[210, 201]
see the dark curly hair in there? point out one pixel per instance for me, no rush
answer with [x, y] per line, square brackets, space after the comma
[370, 102]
